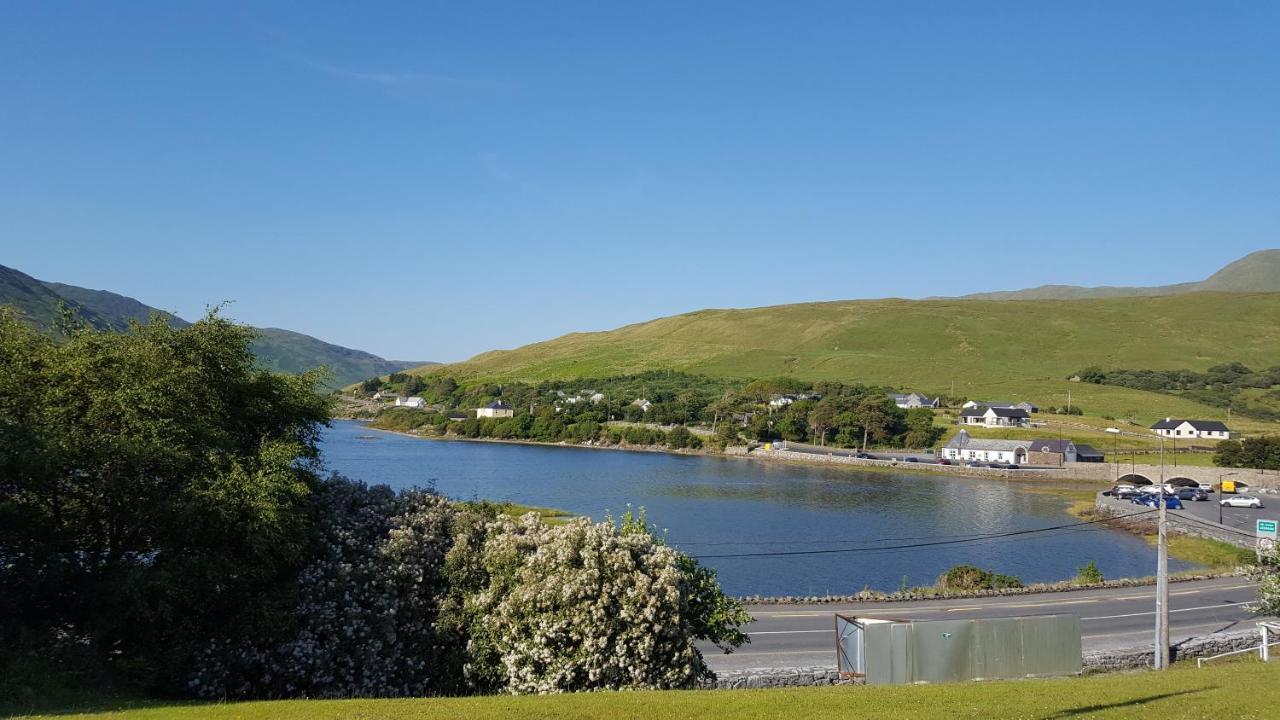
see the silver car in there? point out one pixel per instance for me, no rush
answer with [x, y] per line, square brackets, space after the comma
[1244, 501]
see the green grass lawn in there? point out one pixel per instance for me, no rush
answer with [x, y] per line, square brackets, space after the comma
[1240, 690]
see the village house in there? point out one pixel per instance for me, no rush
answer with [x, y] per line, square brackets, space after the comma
[963, 448]
[596, 398]
[1088, 453]
[642, 404]
[495, 409]
[1024, 405]
[915, 400]
[1199, 429]
[385, 395]
[995, 417]
[411, 402]
[1051, 452]
[456, 416]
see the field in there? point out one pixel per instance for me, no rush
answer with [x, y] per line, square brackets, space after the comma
[1240, 690]
[995, 350]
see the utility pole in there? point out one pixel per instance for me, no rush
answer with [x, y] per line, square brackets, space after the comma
[1162, 577]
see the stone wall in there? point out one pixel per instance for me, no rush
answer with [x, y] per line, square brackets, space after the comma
[1264, 481]
[1094, 661]
[1112, 507]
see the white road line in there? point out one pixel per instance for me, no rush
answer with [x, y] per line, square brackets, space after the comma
[1179, 610]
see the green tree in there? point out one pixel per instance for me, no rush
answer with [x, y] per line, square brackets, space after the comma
[154, 485]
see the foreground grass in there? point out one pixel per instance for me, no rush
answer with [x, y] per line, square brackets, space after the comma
[1212, 554]
[1244, 689]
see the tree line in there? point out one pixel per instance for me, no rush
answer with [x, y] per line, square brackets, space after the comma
[1222, 385]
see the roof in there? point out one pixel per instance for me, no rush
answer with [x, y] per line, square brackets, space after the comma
[963, 440]
[1054, 446]
[498, 405]
[1201, 425]
[1087, 451]
[1009, 412]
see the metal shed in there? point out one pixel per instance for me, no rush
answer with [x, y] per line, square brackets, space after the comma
[878, 651]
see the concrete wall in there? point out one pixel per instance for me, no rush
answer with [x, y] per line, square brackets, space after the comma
[1094, 661]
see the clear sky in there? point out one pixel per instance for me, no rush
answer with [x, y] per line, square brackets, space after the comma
[431, 180]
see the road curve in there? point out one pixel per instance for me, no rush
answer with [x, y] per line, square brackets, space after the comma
[804, 635]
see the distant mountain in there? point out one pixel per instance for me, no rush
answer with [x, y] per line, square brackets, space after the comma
[39, 303]
[1255, 272]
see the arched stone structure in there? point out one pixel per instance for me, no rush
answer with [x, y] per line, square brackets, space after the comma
[1134, 479]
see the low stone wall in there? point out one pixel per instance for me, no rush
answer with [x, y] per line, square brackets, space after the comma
[1141, 657]
[1263, 481]
[1094, 661]
[1112, 507]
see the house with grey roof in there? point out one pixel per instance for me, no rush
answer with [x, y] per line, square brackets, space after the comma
[495, 409]
[915, 400]
[1197, 429]
[995, 417]
[963, 448]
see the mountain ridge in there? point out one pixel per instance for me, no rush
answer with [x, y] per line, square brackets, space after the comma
[1259, 271]
[39, 303]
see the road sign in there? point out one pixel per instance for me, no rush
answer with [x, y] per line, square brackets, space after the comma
[1267, 529]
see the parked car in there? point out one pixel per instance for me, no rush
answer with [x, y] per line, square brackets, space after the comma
[974, 463]
[1124, 492]
[864, 456]
[1189, 493]
[1171, 502]
[912, 459]
[1244, 501]
[1013, 466]
[944, 461]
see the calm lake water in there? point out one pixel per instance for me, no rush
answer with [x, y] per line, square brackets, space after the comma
[717, 506]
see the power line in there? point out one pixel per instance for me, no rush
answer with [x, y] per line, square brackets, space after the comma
[992, 536]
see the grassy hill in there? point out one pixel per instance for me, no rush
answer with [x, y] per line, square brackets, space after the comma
[39, 303]
[1008, 350]
[1256, 272]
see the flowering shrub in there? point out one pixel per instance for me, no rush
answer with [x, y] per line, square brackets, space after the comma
[410, 594]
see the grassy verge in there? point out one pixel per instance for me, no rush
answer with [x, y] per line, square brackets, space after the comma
[1213, 554]
[1244, 689]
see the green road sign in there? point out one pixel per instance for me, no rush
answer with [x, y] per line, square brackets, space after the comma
[1267, 529]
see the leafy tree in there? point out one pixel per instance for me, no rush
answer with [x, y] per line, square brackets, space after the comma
[154, 485]
[1261, 452]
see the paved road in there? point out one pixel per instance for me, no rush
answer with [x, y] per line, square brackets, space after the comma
[804, 635]
[1243, 519]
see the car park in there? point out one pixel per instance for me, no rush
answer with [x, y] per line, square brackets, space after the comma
[1123, 492]
[1241, 501]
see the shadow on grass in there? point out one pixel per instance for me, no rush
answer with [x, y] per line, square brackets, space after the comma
[1090, 709]
[81, 705]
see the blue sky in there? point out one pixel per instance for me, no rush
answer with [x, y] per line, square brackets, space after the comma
[431, 180]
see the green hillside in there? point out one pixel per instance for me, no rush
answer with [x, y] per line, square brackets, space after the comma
[1009, 350]
[1256, 272]
[40, 302]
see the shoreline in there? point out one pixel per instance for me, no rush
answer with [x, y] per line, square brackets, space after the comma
[1030, 484]
[872, 466]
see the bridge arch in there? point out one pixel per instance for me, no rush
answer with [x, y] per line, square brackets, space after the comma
[1184, 482]
[1134, 479]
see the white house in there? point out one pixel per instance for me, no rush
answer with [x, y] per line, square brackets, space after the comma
[642, 404]
[781, 401]
[995, 417]
[495, 409]
[1024, 405]
[596, 398]
[412, 402]
[963, 448]
[385, 395]
[1200, 429]
[915, 400]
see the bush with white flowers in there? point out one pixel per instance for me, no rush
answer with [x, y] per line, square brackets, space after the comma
[411, 594]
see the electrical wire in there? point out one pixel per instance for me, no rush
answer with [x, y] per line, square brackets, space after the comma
[912, 546]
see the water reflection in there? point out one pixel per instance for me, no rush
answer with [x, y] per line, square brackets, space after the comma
[723, 506]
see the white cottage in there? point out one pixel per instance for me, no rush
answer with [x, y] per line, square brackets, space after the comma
[1199, 429]
[995, 417]
[411, 402]
[963, 448]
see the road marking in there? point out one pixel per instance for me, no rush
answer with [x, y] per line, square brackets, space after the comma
[1052, 602]
[809, 614]
[1179, 610]
[964, 609]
